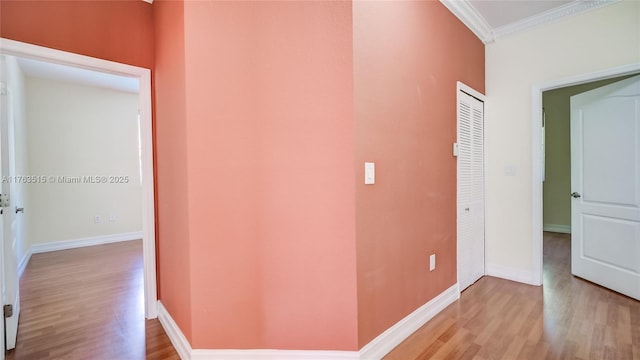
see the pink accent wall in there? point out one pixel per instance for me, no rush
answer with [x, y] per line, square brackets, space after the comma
[408, 56]
[264, 115]
[120, 31]
[270, 175]
[172, 211]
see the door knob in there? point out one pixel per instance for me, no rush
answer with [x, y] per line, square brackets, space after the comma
[575, 195]
[19, 210]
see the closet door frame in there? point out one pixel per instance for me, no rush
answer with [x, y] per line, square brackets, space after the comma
[470, 224]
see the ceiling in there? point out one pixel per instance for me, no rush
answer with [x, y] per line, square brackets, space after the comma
[46, 70]
[492, 19]
[501, 13]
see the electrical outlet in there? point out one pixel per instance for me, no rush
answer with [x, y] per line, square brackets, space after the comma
[112, 218]
[96, 219]
[432, 262]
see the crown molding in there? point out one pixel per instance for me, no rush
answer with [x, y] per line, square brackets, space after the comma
[470, 17]
[463, 10]
[553, 15]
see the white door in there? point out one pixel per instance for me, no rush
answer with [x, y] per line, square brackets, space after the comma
[605, 181]
[470, 188]
[10, 292]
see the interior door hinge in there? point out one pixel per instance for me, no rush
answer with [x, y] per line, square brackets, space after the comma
[8, 311]
[4, 200]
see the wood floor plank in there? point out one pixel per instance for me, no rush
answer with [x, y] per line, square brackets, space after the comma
[88, 303]
[567, 318]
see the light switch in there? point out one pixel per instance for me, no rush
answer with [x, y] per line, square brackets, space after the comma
[369, 173]
[510, 170]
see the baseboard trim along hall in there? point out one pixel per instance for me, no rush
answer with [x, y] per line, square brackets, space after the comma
[564, 229]
[179, 341]
[517, 275]
[374, 350]
[200, 354]
[393, 336]
[22, 266]
[90, 241]
[72, 244]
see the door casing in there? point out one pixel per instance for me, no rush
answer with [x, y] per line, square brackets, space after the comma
[21, 49]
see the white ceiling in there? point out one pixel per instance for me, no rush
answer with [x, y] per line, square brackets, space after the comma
[46, 70]
[492, 19]
[501, 13]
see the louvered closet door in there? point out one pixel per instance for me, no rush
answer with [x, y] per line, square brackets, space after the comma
[470, 189]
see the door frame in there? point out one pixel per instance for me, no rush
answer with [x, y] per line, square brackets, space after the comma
[21, 49]
[12, 217]
[536, 150]
[462, 87]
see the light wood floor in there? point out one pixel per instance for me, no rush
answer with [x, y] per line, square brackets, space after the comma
[87, 303]
[568, 318]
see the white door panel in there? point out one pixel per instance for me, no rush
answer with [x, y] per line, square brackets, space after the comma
[619, 250]
[608, 210]
[605, 172]
[607, 154]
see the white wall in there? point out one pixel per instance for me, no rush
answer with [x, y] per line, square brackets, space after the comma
[597, 40]
[76, 131]
[19, 197]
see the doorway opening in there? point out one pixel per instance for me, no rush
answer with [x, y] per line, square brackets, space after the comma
[543, 220]
[556, 204]
[144, 153]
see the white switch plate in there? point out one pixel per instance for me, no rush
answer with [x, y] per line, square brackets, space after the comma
[96, 219]
[369, 173]
[112, 218]
[510, 170]
[432, 262]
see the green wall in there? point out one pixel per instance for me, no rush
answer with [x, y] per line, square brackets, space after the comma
[557, 184]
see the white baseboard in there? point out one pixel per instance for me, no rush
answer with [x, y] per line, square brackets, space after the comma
[200, 354]
[179, 341]
[374, 350]
[504, 272]
[78, 243]
[71, 244]
[393, 336]
[564, 229]
[24, 262]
